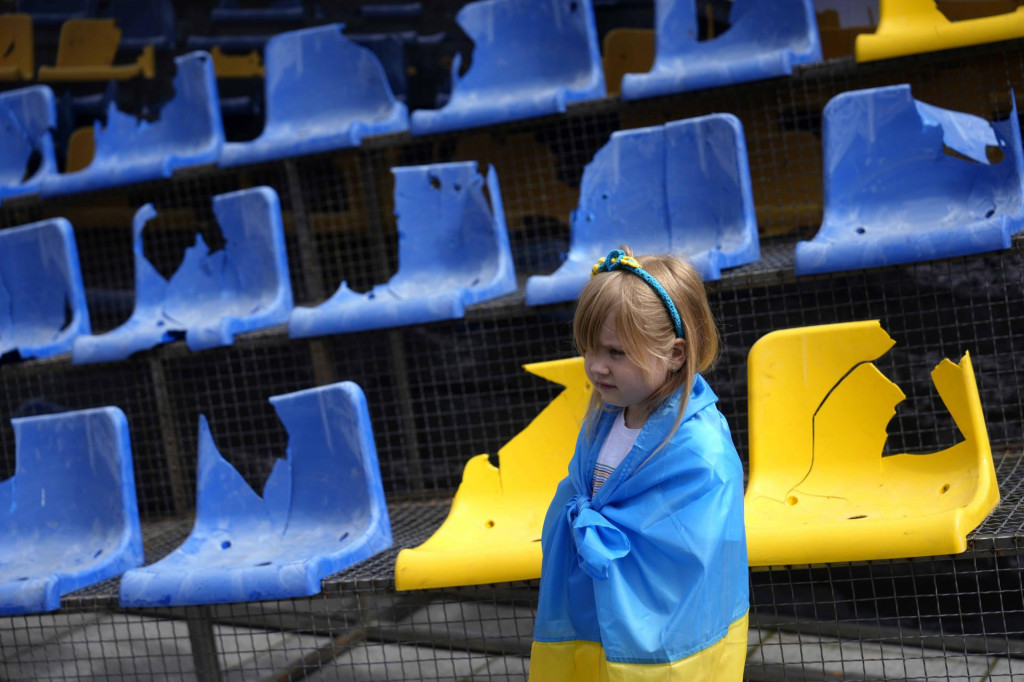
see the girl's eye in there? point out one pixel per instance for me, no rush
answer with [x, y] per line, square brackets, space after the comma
[616, 352]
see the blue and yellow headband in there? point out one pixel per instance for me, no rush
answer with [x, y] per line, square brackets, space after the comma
[618, 260]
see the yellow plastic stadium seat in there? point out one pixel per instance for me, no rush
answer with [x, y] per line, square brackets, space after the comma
[17, 47]
[237, 65]
[908, 27]
[819, 490]
[626, 50]
[81, 149]
[492, 533]
[86, 52]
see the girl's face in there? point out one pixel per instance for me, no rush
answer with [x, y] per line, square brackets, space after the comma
[619, 380]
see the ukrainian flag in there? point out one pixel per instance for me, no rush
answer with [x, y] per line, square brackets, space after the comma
[647, 579]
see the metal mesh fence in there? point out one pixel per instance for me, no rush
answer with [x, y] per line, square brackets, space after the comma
[443, 392]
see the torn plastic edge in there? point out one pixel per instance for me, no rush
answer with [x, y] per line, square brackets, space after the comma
[768, 547]
[149, 324]
[110, 168]
[455, 115]
[282, 138]
[568, 280]
[663, 79]
[273, 512]
[427, 567]
[340, 314]
[990, 234]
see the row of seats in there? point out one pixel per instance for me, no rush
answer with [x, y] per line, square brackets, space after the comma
[759, 44]
[817, 432]
[321, 510]
[308, 111]
[87, 47]
[312, 104]
[219, 11]
[906, 181]
[819, 490]
[903, 28]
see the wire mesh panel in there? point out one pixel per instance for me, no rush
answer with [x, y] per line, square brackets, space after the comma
[441, 393]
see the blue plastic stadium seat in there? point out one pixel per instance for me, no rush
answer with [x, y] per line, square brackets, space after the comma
[274, 12]
[52, 12]
[530, 58]
[212, 296]
[389, 48]
[322, 510]
[69, 516]
[42, 298]
[453, 251]
[894, 195]
[144, 23]
[764, 40]
[27, 118]
[323, 92]
[681, 188]
[188, 132]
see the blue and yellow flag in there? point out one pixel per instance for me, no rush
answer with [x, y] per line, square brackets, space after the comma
[647, 578]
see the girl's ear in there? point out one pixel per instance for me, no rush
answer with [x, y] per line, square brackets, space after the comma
[677, 356]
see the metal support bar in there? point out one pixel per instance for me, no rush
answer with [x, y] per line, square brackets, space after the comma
[204, 648]
[310, 272]
[399, 368]
[180, 497]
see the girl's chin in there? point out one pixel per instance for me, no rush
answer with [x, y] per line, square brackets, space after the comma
[609, 400]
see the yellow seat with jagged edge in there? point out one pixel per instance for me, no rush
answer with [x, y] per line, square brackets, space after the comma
[492, 533]
[17, 47]
[86, 51]
[819, 489]
[908, 27]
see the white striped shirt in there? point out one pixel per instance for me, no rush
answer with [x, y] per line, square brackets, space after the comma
[616, 446]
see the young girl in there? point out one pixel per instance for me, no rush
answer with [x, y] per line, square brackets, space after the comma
[644, 572]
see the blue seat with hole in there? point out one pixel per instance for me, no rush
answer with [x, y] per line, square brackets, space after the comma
[681, 188]
[27, 119]
[906, 181]
[322, 510]
[323, 92]
[188, 132]
[453, 251]
[68, 515]
[213, 295]
[764, 40]
[530, 58]
[42, 298]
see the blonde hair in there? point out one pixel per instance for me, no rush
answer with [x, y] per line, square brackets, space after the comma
[645, 327]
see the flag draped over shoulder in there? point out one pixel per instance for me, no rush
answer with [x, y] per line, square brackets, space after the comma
[647, 580]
